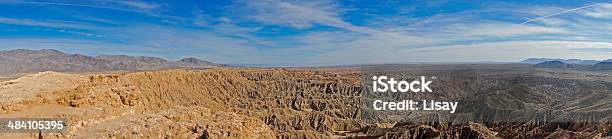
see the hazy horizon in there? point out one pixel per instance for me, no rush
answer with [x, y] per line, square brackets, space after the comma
[318, 64]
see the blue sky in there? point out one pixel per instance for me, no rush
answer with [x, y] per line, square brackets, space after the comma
[318, 32]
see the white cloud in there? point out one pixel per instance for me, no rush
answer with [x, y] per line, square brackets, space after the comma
[137, 4]
[297, 14]
[601, 10]
[148, 8]
[66, 27]
[43, 23]
[500, 29]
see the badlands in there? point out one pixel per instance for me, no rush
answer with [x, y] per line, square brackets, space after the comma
[236, 103]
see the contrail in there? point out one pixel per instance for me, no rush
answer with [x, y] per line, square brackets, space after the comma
[554, 14]
[543, 17]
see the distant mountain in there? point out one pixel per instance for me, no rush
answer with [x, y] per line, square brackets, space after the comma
[25, 61]
[130, 63]
[589, 62]
[538, 60]
[197, 63]
[567, 61]
[603, 66]
[553, 64]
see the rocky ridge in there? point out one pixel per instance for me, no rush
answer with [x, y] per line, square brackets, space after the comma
[31, 61]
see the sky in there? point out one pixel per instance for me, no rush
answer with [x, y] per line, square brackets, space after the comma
[314, 32]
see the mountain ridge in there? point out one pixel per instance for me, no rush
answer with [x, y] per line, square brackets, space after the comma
[605, 66]
[27, 61]
[567, 61]
[553, 64]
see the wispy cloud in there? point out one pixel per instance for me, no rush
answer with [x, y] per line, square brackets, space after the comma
[298, 14]
[293, 14]
[502, 29]
[117, 5]
[136, 4]
[80, 5]
[43, 23]
[600, 10]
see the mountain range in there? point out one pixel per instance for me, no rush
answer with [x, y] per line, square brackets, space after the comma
[601, 66]
[27, 61]
[567, 61]
[606, 65]
[553, 64]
